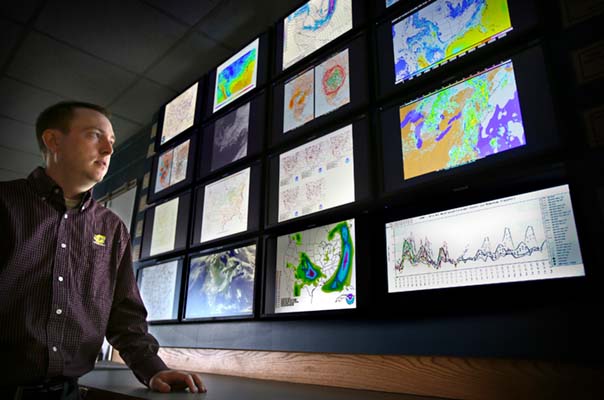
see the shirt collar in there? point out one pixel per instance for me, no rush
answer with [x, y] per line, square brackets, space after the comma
[49, 190]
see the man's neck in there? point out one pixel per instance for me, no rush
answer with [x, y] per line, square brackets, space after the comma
[71, 190]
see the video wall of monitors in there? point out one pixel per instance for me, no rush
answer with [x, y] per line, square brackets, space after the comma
[440, 32]
[291, 180]
[323, 92]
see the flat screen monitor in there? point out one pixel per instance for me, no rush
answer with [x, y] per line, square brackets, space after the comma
[312, 26]
[234, 137]
[166, 226]
[238, 76]
[172, 168]
[390, 3]
[441, 31]
[316, 269]
[227, 206]
[221, 283]
[526, 237]
[159, 286]
[321, 174]
[331, 87]
[498, 114]
[180, 114]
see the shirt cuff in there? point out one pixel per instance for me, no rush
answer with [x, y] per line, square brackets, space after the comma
[147, 368]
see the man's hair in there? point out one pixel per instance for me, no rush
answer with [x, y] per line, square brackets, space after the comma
[59, 117]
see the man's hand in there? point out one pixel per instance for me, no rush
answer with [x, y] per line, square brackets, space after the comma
[166, 381]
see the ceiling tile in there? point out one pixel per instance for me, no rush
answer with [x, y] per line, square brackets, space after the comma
[128, 33]
[189, 11]
[143, 100]
[21, 10]
[235, 22]
[23, 102]
[188, 62]
[9, 32]
[18, 136]
[123, 128]
[61, 69]
[19, 162]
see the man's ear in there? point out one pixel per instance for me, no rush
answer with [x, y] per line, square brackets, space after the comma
[52, 140]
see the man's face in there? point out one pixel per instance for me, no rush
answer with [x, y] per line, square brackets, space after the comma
[85, 150]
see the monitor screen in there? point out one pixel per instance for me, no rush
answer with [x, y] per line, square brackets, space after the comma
[315, 269]
[391, 2]
[312, 26]
[317, 175]
[221, 284]
[462, 123]
[172, 167]
[163, 236]
[179, 114]
[526, 237]
[443, 30]
[225, 206]
[317, 91]
[230, 142]
[236, 76]
[159, 287]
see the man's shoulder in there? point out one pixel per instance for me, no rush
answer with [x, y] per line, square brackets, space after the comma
[13, 188]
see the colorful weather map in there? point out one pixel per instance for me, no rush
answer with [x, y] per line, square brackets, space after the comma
[298, 106]
[316, 269]
[236, 76]
[312, 26]
[222, 284]
[317, 175]
[445, 29]
[225, 206]
[179, 114]
[462, 123]
[525, 237]
[332, 84]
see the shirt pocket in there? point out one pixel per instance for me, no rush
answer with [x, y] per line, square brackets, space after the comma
[92, 273]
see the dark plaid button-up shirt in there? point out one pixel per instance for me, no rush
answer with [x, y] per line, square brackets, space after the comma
[66, 281]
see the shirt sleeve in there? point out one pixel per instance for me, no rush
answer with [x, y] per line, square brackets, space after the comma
[127, 329]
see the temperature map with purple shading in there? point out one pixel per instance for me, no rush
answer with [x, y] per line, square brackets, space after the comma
[462, 123]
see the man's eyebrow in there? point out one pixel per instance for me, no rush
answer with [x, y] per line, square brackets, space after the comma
[96, 128]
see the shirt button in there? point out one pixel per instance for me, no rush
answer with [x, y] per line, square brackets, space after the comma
[60, 279]
[63, 245]
[65, 216]
[54, 348]
[56, 190]
[59, 311]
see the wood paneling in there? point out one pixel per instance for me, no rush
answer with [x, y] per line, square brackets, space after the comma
[449, 377]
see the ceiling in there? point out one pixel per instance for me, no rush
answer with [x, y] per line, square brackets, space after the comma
[131, 56]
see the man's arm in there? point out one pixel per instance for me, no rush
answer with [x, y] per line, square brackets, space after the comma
[127, 331]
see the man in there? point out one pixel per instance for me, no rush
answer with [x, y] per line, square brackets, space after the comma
[66, 277]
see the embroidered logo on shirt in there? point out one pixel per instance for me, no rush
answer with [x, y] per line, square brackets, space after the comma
[99, 240]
